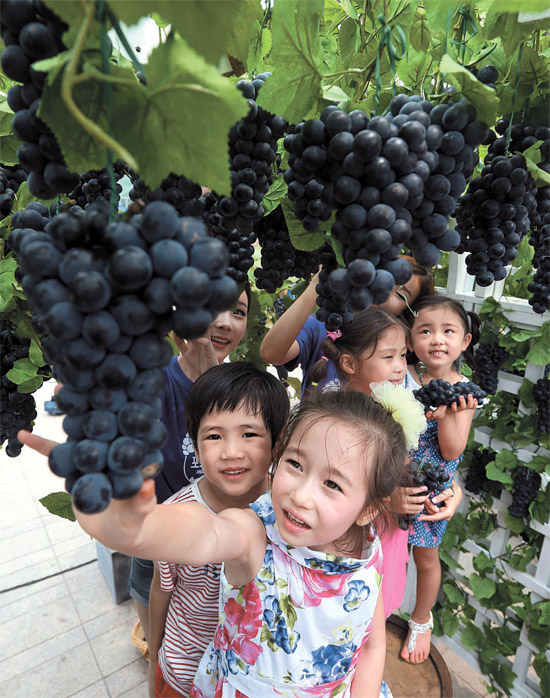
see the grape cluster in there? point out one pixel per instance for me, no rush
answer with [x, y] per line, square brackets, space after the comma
[526, 486]
[252, 150]
[96, 185]
[32, 32]
[541, 393]
[488, 360]
[10, 180]
[432, 475]
[440, 392]
[476, 479]
[493, 217]
[279, 307]
[393, 180]
[17, 410]
[106, 294]
[539, 287]
[279, 258]
[183, 194]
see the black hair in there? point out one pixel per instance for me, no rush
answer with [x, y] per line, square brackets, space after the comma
[362, 333]
[229, 386]
[470, 320]
[382, 438]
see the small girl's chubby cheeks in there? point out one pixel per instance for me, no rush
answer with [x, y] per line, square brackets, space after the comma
[438, 336]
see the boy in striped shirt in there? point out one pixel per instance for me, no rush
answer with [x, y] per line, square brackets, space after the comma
[235, 414]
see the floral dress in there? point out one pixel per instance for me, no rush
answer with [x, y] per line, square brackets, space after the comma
[296, 630]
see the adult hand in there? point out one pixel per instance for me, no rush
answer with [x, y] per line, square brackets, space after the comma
[198, 355]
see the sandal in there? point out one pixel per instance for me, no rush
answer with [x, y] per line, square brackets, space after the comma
[138, 640]
[416, 630]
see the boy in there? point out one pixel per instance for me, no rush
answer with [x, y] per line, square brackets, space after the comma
[235, 414]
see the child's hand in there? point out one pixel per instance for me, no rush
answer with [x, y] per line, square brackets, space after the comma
[449, 500]
[409, 502]
[463, 404]
[438, 413]
[37, 443]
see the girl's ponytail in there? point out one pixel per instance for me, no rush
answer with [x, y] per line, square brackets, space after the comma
[475, 324]
[330, 353]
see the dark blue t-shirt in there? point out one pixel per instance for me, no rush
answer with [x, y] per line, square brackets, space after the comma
[310, 338]
[181, 466]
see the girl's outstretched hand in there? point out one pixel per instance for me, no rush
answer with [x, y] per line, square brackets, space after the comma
[463, 404]
[37, 443]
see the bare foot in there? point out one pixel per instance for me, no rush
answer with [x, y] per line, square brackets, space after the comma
[422, 646]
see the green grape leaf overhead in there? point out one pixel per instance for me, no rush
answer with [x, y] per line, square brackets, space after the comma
[483, 98]
[297, 57]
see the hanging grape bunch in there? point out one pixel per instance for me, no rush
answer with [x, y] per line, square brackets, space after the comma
[525, 489]
[440, 392]
[279, 259]
[541, 394]
[394, 181]
[17, 410]
[423, 474]
[10, 180]
[96, 185]
[476, 479]
[106, 294]
[252, 151]
[32, 32]
[183, 194]
[539, 287]
[488, 360]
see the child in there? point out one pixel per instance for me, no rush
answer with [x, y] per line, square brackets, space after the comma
[371, 349]
[299, 610]
[296, 338]
[181, 466]
[235, 414]
[441, 332]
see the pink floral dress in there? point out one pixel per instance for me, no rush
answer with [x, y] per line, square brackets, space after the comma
[296, 630]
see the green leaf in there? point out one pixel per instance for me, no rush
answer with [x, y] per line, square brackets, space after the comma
[494, 473]
[525, 393]
[259, 47]
[348, 38]
[297, 59]
[274, 194]
[449, 561]
[472, 637]
[453, 593]
[35, 354]
[59, 503]
[544, 607]
[514, 524]
[489, 307]
[180, 121]
[483, 562]
[8, 265]
[541, 177]
[300, 238]
[22, 370]
[483, 587]
[8, 148]
[540, 511]
[483, 98]
[31, 385]
[506, 460]
[450, 622]
[420, 35]
[539, 353]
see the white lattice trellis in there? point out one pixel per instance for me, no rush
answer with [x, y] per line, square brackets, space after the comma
[536, 579]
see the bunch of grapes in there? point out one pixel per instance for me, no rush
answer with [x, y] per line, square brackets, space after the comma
[32, 32]
[418, 474]
[280, 259]
[106, 294]
[440, 392]
[96, 185]
[493, 217]
[184, 195]
[541, 393]
[279, 307]
[526, 486]
[539, 287]
[10, 180]
[476, 479]
[488, 360]
[17, 410]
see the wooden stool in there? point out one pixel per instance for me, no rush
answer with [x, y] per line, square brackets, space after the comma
[431, 679]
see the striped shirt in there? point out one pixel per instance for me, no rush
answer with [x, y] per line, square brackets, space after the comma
[192, 616]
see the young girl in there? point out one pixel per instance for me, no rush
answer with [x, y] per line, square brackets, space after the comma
[299, 608]
[296, 338]
[372, 349]
[441, 332]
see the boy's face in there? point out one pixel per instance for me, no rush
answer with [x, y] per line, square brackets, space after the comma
[234, 449]
[228, 328]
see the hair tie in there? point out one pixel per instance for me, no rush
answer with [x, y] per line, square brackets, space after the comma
[324, 358]
[405, 409]
[334, 335]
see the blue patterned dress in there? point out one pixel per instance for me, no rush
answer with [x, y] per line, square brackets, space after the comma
[296, 630]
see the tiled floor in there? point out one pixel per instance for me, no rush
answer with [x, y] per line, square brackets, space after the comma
[62, 633]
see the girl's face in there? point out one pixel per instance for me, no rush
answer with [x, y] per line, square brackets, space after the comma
[319, 488]
[387, 363]
[438, 337]
[228, 328]
[401, 295]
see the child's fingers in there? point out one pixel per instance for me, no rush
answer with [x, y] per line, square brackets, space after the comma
[37, 443]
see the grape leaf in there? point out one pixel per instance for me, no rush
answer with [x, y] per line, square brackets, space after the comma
[505, 459]
[259, 47]
[539, 353]
[31, 385]
[542, 178]
[494, 473]
[22, 370]
[348, 38]
[179, 121]
[483, 98]
[453, 593]
[8, 265]
[297, 57]
[8, 148]
[525, 393]
[300, 238]
[420, 35]
[483, 587]
[514, 524]
[274, 194]
[471, 637]
[60, 504]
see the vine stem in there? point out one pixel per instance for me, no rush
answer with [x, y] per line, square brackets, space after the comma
[68, 82]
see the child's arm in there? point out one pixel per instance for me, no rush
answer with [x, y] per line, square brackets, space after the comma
[370, 667]
[159, 601]
[454, 428]
[280, 345]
